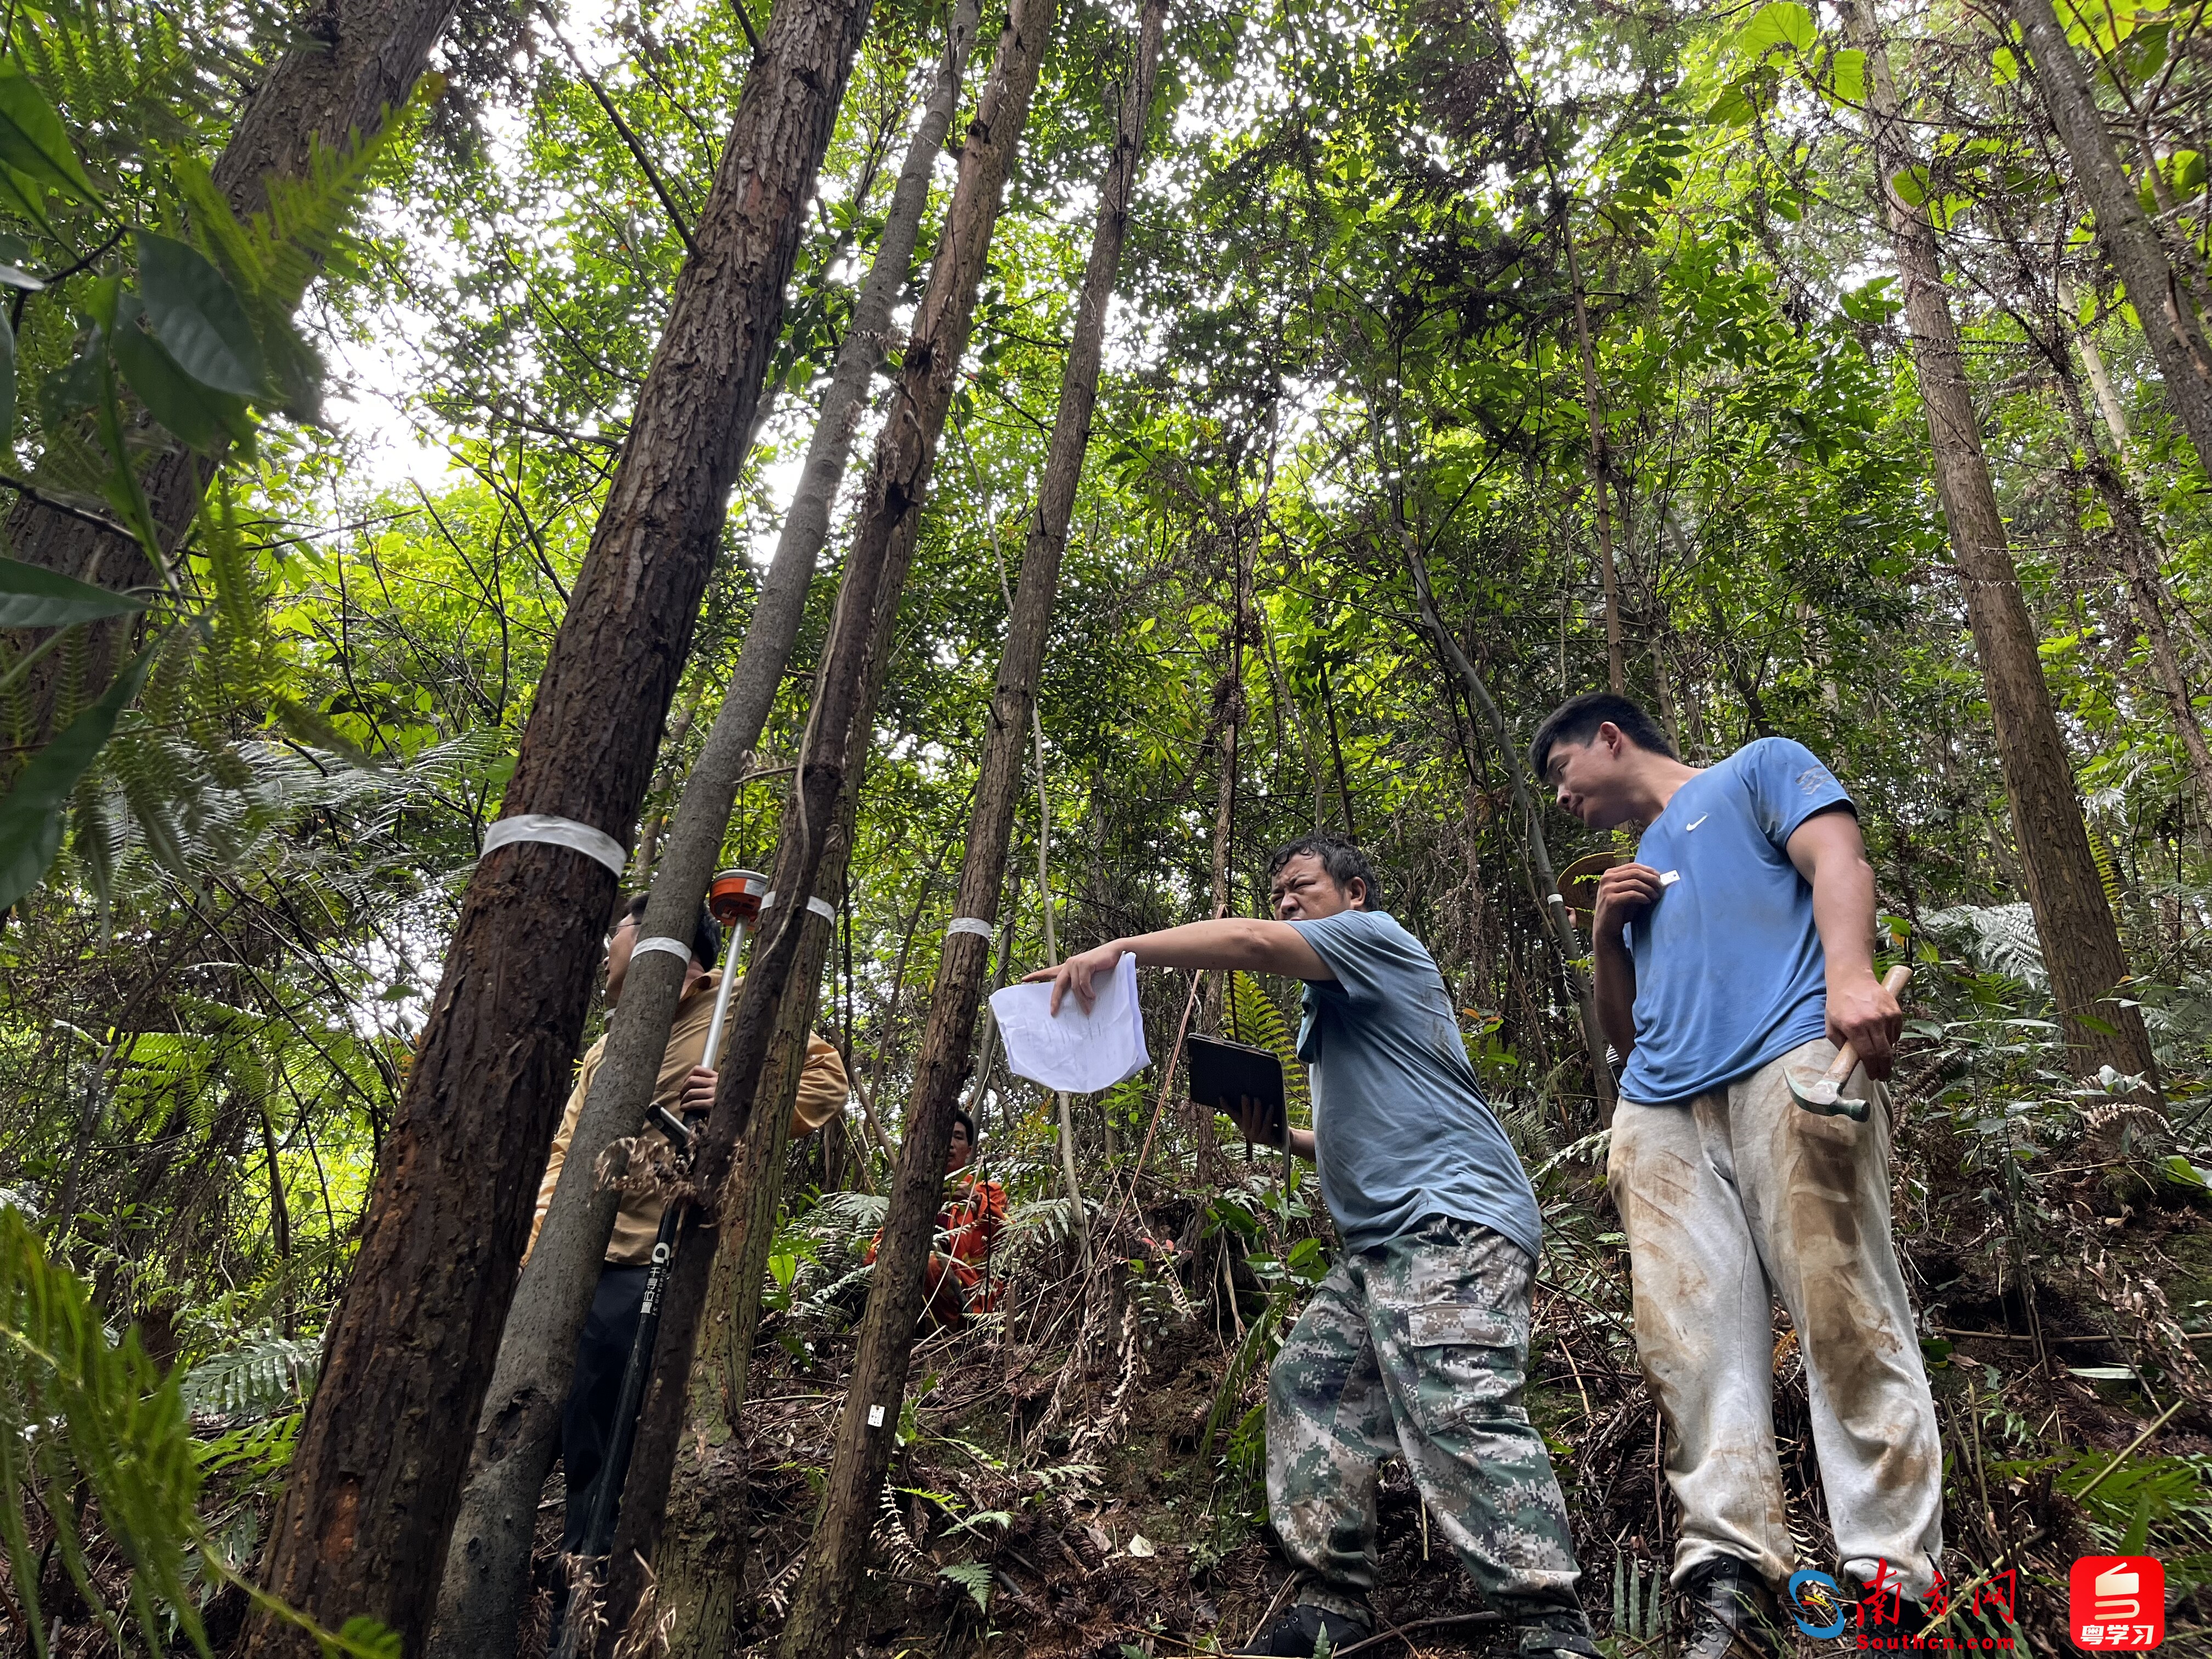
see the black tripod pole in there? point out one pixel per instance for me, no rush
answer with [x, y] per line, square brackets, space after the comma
[600, 1528]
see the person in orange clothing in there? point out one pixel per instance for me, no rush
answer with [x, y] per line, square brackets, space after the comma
[960, 1281]
[685, 1086]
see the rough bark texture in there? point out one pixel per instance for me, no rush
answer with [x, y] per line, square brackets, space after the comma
[487, 1568]
[2080, 940]
[2130, 239]
[699, 1570]
[875, 576]
[824, 1595]
[351, 61]
[363, 1524]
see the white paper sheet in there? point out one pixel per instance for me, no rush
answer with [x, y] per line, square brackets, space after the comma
[1076, 1052]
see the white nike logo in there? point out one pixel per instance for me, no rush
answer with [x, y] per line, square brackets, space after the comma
[1702, 816]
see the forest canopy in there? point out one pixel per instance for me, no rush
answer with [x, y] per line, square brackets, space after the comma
[998, 474]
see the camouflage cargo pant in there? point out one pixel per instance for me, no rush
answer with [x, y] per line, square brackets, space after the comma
[1417, 1347]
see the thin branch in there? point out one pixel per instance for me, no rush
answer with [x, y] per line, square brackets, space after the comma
[629, 138]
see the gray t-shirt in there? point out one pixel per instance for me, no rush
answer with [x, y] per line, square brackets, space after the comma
[1402, 1131]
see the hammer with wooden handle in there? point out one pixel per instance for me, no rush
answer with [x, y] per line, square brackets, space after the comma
[1822, 1091]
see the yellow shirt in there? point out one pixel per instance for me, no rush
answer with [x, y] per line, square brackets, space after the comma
[821, 1091]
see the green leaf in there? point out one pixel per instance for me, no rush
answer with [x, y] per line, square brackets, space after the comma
[973, 1577]
[2138, 1538]
[1911, 186]
[198, 315]
[2004, 66]
[33, 141]
[205, 419]
[22, 192]
[1778, 23]
[31, 815]
[32, 598]
[365, 1638]
[16, 276]
[1847, 76]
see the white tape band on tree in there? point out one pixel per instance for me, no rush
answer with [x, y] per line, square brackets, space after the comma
[820, 907]
[560, 832]
[674, 947]
[974, 925]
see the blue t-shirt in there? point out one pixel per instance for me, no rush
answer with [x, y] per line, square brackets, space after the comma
[1402, 1131]
[1730, 972]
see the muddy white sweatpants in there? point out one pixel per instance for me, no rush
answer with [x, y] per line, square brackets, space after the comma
[1739, 1196]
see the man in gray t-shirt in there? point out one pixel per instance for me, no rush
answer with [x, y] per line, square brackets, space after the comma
[1417, 1341]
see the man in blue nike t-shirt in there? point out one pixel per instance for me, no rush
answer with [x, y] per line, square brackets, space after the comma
[1740, 941]
[1417, 1341]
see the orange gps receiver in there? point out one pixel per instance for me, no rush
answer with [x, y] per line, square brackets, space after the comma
[735, 898]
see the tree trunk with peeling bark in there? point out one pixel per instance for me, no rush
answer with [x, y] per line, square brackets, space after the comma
[824, 1595]
[2081, 939]
[363, 1524]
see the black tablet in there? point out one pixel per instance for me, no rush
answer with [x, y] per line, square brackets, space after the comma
[1223, 1073]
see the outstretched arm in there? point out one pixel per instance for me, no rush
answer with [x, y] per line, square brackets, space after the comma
[1257, 947]
[1830, 852]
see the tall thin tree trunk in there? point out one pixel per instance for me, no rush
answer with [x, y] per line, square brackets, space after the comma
[699, 1569]
[2081, 939]
[822, 1599]
[351, 63]
[2131, 241]
[1616, 659]
[364, 1521]
[487, 1570]
[1558, 925]
[875, 576]
[2131, 540]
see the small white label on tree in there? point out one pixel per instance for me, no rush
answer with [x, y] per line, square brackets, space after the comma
[875, 1417]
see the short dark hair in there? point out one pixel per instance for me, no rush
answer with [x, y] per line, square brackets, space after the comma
[1344, 863]
[960, 1116]
[706, 934]
[1575, 722]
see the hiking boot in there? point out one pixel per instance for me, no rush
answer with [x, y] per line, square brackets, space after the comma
[1302, 1632]
[1734, 1614]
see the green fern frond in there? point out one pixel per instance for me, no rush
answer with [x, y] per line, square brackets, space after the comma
[76, 1410]
[1254, 1017]
[2108, 876]
[271, 1376]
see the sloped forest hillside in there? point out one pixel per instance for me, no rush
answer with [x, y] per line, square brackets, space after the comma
[998, 471]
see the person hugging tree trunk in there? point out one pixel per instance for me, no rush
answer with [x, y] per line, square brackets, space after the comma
[1740, 942]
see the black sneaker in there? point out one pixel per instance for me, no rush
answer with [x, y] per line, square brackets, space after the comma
[1306, 1630]
[1734, 1614]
